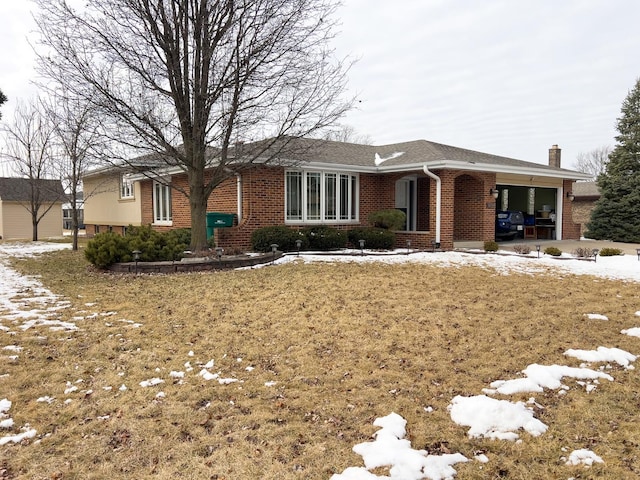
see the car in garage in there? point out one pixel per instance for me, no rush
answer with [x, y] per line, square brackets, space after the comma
[509, 224]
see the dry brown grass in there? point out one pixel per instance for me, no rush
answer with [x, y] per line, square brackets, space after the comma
[345, 344]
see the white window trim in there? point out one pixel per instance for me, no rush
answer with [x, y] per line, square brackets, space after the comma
[125, 181]
[168, 222]
[355, 197]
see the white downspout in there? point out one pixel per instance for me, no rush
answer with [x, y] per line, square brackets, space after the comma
[559, 210]
[425, 169]
[239, 195]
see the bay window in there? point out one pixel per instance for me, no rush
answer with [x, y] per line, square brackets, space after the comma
[321, 197]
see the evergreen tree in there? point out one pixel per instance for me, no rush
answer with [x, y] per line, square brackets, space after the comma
[616, 215]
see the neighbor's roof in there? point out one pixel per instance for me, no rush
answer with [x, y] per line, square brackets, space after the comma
[586, 190]
[19, 190]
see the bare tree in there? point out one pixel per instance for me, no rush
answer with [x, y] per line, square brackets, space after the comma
[77, 145]
[593, 162]
[348, 134]
[190, 79]
[29, 147]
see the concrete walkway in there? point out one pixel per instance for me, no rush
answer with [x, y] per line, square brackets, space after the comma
[567, 246]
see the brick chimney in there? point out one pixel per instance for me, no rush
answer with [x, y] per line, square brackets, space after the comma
[554, 156]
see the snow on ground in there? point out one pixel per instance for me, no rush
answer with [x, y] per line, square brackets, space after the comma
[25, 303]
[390, 448]
[620, 267]
[583, 456]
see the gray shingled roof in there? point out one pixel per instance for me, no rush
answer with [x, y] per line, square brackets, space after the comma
[382, 158]
[408, 153]
[19, 190]
[586, 189]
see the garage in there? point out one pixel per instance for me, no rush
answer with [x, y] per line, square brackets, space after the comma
[527, 212]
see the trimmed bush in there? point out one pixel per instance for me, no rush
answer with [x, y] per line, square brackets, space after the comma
[322, 237]
[284, 237]
[107, 248]
[158, 246]
[374, 238]
[490, 246]
[610, 252]
[522, 249]
[391, 219]
[553, 251]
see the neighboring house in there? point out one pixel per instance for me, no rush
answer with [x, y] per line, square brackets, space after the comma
[67, 212]
[15, 210]
[586, 194]
[449, 194]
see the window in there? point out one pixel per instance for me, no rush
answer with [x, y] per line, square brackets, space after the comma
[321, 197]
[293, 187]
[161, 204]
[126, 187]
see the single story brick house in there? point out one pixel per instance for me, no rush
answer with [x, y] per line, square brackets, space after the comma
[16, 195]
[449, 194]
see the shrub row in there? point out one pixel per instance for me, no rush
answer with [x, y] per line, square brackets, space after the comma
[108, 248]
[320, 238]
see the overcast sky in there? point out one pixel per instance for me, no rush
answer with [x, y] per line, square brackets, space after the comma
[506, 77]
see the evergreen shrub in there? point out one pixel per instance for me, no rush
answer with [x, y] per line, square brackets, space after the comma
[374, 238]
[323, 238]
[553, 251]
[281, 235]
[490, 246]
[390, 219]
[610, 252]
[108, 248]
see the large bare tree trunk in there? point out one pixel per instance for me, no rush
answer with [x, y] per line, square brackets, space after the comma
[198, 206]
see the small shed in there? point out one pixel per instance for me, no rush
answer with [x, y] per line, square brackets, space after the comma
[17, 195]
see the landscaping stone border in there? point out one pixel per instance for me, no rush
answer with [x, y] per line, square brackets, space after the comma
[197, 264]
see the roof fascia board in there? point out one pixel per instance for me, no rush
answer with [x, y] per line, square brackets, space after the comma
[341, 167]
[486, 167]
[451, 165]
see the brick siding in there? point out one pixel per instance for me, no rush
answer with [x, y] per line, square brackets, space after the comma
[582, 213]
[570, 229]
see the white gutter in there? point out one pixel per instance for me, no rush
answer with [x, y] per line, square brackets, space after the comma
[239, 197]
[425, 169]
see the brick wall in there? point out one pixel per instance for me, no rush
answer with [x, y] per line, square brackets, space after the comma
[377, 192]
[570, 229]
[467, 208]
[582, 213]
[423, 221]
